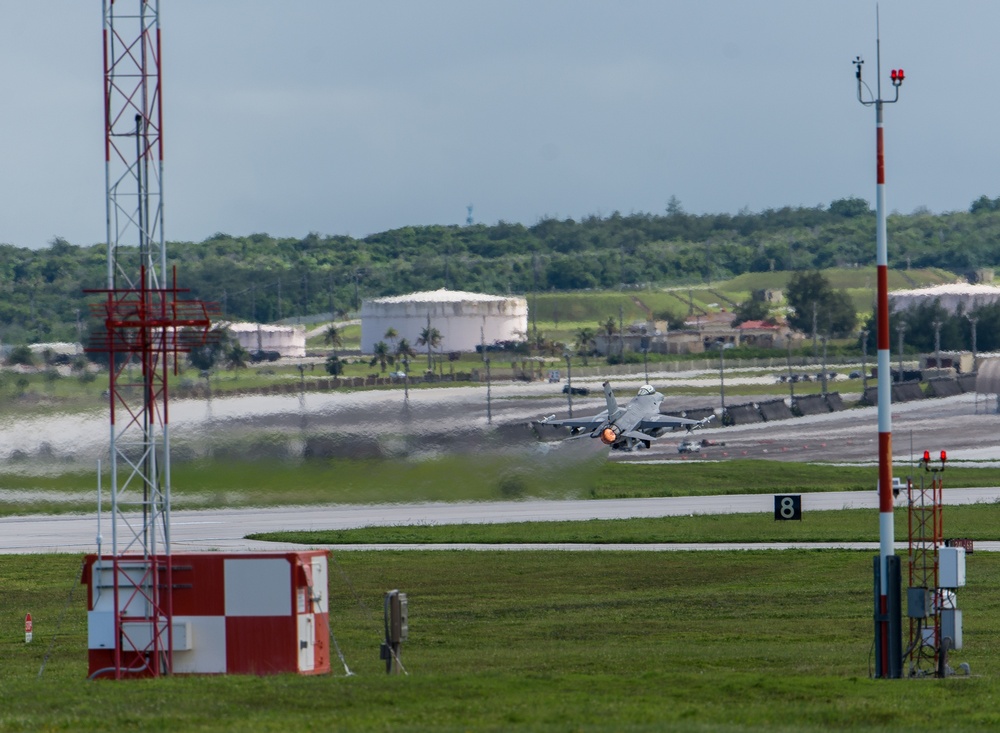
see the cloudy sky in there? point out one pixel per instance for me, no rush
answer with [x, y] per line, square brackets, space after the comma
[356, 117]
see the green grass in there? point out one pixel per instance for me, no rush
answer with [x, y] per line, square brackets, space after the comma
[840, 278]
[979, 522]
[240, 480]
[534, 641]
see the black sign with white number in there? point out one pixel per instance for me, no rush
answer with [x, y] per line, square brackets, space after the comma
[788, 506]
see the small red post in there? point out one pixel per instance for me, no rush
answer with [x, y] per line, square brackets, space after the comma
[27, 629]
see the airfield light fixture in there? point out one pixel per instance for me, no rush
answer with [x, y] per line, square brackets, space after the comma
[888, 654]
[927, 461]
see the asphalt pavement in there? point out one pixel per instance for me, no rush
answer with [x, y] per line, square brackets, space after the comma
[226, 529]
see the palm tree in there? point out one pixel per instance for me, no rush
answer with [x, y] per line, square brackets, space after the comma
[391, 334]
[403, 348]
[333, 336]
[609, 327]
[236, 357]
[381, 355]
[431, 338]
[585, 342]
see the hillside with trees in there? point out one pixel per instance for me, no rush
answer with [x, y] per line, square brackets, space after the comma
[266, 278]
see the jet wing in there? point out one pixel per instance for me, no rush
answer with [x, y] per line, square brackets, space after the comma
[668, 421]
[590, 422]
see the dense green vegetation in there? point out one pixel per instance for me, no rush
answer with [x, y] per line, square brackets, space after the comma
[268, 278]
[534, 641]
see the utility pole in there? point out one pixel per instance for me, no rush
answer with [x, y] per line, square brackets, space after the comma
[569, 383]
[823, 373]
[814, 330]
[972, 321]
[791, 382]
[864, 361]
[722, 369]
[937, 346]
[901, 329]
[888, 637]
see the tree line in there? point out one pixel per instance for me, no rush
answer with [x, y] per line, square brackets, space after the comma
[263, 278]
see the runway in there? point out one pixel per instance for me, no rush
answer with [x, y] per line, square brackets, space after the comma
[226, 529]
[961, 425]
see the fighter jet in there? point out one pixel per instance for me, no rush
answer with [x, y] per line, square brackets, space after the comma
[637, 424]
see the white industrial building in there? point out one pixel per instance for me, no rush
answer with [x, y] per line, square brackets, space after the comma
[464, 320]
[950, 296]
[289, 341]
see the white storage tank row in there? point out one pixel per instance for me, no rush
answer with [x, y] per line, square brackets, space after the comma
[950, 297]
[289, 341]
[464, 320]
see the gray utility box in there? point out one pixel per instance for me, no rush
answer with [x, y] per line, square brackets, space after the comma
[951, 567]
[951, 627]
[918, 602]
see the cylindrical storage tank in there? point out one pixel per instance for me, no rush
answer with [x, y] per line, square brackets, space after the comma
[464, 320]
[289, 341]
[950, 297]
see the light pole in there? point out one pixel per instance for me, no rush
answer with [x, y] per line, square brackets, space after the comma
[722, 368]
[972, 322]
[888, 658]
[823, 339]
[489, 396]
[864, 361]
[937, 346]
[406, 380]
[901, 329]
[569, 384]
[791, 382]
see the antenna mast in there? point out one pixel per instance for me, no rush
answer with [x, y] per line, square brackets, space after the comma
[888, 655]
[146, 327]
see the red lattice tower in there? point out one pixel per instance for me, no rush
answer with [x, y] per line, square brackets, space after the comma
[926, 537]
[147, 326]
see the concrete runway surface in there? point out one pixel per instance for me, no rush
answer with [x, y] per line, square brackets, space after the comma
[197, 531]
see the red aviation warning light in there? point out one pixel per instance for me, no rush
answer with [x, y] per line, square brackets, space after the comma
[897, 77]
[927, 461]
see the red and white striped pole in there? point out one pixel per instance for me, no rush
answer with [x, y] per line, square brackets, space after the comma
[885, 518]
[885, 500]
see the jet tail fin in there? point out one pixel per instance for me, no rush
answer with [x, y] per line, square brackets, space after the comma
[609, 396]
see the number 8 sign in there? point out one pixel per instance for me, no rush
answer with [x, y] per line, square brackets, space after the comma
[787, 506]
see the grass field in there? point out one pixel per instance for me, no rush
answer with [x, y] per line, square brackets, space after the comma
[481, 476]
[978, 522]
[535, 641]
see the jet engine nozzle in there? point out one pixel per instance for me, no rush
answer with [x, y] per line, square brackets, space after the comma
[610, 434]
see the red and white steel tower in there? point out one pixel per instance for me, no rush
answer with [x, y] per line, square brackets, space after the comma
[886, 528]
[146, 327]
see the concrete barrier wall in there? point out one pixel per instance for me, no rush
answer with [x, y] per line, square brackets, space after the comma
[907, 392]
[812, 404]
[943, 388]
[835, 402]
[743, 414]
[775, 410]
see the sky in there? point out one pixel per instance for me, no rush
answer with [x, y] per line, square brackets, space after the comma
[357, 117]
